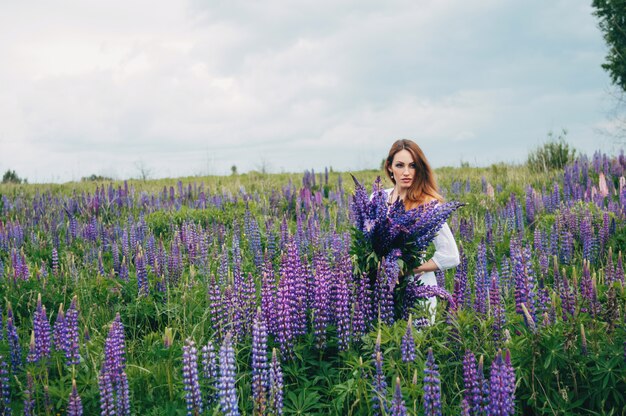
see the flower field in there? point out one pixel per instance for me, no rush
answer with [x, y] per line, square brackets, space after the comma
[239, 295]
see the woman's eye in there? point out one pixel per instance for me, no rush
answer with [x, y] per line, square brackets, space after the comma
[412, 165]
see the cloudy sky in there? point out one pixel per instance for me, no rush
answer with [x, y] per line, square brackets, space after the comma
[189, 87]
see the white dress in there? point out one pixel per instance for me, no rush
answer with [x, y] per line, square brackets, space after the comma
[445, 257]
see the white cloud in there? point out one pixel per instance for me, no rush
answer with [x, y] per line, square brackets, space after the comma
[193, 87]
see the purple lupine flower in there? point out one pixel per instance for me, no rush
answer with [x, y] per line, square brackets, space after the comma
[441, 278]
[209, 361]
[408, 343]
[193, 397]
[342, 302]
[5, 388]
[210, 369]
[519, 275]
[379, 384]
[216, 306]
[288, 300]
[604, 231]
[386, 279]
[142, 274]
[24, 271]
[320, 308]
[75, 405]
[227, 391]
[268, 294]
[567, 296]
[587, 290]
[29, 396]
[107, 400]
[473, 393]
[72, 342]
[461, 288]
[588, 238]
[567, 247]
[496, 307]
[112, 381]
[501, 387]
[253, 236]
[398, 408]
[115, 253]
[14, 343]
[275, 403]
[123, 275]
[247, 302]
[510, 381]
[59, 332]
[358, 205]
[481, 280]
[465, 408]
[231, 309]
[55, 261]
[432, 387]
[609, 270]
[260, 366]
[415, 291]
[41, 330]
[362, 314]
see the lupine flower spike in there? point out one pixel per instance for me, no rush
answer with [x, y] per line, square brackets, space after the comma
[193, 397]
[408, 343]
[226, 387]
[398, 408]
[432, 387]
[275, 405]
[75, 405]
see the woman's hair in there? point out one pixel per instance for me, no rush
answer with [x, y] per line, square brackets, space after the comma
[424, 187]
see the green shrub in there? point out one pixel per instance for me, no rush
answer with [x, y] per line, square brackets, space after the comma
[554, 154]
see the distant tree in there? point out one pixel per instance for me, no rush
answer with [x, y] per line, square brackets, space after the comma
[11, 177]
[94, 178]
[612, 22]
[263, 166]
[554, 154]
[233, 169]
[144, 170]
[611, 16]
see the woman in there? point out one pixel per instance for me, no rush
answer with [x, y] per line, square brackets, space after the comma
[414, 184]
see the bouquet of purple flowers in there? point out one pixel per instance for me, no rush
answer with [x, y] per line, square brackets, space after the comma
[383, 231]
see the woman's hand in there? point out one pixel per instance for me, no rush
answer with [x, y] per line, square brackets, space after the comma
[429, 266]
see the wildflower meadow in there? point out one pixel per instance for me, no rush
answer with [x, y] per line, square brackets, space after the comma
[244, 295]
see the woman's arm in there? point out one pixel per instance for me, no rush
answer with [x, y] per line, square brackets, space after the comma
[429, 266]
[446, 252]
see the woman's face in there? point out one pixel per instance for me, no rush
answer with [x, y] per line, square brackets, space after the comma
[403, 169]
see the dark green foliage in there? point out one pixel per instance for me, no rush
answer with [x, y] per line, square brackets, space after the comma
[554, 154]
[611, 16]
[11, 177]
[95, 178]
[554, 376]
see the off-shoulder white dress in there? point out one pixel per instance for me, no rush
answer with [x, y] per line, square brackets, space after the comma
[445, 257]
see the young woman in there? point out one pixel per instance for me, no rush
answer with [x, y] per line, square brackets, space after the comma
[414, 184]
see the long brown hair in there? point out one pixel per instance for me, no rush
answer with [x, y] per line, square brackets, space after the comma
[424, 187]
